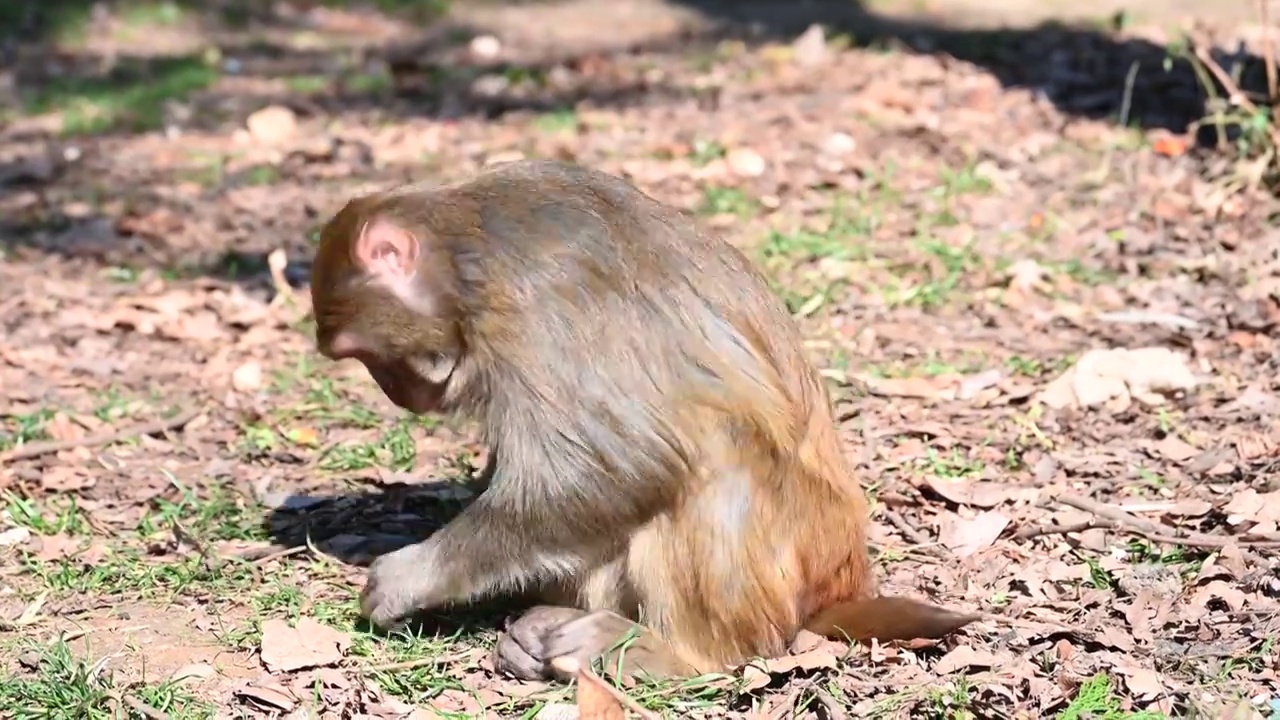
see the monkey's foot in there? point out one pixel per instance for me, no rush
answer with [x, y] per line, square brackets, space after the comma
[546, 633]
[522, 650]
[399, 584]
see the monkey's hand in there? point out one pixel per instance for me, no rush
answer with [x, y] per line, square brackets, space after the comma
[399, 584]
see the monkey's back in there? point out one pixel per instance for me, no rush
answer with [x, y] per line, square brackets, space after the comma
[626, 305]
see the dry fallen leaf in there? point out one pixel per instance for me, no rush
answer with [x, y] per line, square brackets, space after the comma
[1145, 684]
[66, 478]
[56, 547]
[309, 644]
[975, 493]
[597, 700]
[60, 427]
[758, 674]
[269, 695]
[1170, 145]
[1117, 377]
[964, 657]
[193, 673]
[966, 536]
[304, 436]
[1176, 449]
[941, 386]
[1251, 505]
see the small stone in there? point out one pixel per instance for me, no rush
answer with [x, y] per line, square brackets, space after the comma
[247, 377]
[745, 162]
[811, 47]
[272, 125]
[14, 536]
[839, 144]
[486, 47]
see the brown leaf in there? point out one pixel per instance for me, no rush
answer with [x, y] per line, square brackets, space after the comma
[595, 702]
[1249, 504]
[964, 657]
[1170, 145]
[1229, 593]
[66, 478]
[966, 536]
[1256, 446]
[1145, 684]
[269, 694]
[56, 547]
[310, 644]
[758, 676]
[911, 387]
[975, 493]
[61, 428]
[1174, 448]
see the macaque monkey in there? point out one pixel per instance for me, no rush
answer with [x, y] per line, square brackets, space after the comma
[665, 469]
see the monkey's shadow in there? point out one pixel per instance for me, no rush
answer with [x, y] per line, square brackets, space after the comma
[358, 527]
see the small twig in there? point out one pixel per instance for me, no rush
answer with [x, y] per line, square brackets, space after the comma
[211, 562]
[1268, 51]
[1234, 92]
[406, 665]
[278, 554]
[417, 663]
[1158, 532]
[828, 703]
[895, 519]
[786, 708]
[1035, 531]
[1144, 317]
[142, 708]
[36, 449]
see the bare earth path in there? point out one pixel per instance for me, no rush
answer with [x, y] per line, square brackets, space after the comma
[1048, 317]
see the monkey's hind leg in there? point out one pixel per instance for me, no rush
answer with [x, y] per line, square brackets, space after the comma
[545, 633]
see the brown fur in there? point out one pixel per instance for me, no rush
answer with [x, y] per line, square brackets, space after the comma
[662, 449]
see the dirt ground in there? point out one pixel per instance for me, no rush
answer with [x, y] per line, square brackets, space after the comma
[1045, 297]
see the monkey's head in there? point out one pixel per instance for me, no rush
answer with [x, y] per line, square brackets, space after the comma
[378, 296]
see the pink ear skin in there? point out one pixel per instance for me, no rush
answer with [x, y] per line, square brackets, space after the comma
[386, 250]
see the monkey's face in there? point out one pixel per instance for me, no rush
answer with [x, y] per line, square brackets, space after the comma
[406, 383]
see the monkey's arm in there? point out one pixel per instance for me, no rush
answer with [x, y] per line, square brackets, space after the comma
[521, 530]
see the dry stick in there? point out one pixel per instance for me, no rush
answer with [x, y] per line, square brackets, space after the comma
[143, 709]
[901, 523]
[413, 664]
[1233, 90]
[279, 554]
[1035, 531]
[1268, 51]
[36, 449]
[1157, 532]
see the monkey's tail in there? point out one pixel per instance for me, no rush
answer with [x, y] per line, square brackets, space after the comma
[887, 617]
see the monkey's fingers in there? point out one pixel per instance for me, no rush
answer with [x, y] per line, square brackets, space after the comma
[398, 585]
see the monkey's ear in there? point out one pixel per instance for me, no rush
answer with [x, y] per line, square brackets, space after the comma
[386, 250]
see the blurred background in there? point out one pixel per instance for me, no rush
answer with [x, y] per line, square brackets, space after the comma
[959, 200]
